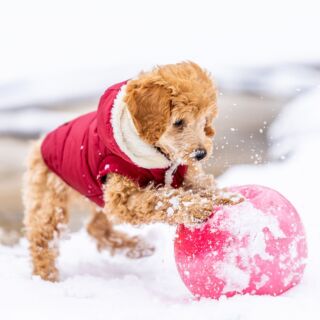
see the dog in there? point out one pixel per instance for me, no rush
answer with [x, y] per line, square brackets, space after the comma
[138, 159]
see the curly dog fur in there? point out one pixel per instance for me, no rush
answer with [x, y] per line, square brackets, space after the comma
[172, 108]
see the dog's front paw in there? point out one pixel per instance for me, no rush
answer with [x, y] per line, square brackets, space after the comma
[142, 249]
[207, 181]
[198, 209]
[48, 273]
[202, 182]
[198, 216]
[224, 197]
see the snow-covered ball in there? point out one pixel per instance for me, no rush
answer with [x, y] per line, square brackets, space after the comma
[256, 247]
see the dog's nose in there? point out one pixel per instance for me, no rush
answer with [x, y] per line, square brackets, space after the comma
[200, 153]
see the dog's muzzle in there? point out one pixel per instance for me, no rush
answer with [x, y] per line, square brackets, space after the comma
[162, 152]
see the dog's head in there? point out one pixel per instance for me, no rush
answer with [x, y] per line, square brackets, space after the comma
[172, 108]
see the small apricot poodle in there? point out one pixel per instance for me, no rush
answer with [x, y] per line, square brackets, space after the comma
[137, 158]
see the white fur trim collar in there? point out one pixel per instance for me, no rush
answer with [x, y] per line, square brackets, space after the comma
[125, 133]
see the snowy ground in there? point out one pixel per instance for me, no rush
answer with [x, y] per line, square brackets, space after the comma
[97, 286]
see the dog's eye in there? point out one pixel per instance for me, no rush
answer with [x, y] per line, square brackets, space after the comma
[178, 123]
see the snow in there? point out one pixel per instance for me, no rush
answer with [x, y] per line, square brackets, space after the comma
[264, 279]
[235, 278]
[244, 221]
[96, 286]
[159, 205]
[246, 224]
[175, 202]
[170, 211]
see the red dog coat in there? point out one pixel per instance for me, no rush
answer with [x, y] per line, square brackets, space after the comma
[82, 152]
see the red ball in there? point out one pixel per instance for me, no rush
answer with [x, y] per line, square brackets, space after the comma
[256, 247]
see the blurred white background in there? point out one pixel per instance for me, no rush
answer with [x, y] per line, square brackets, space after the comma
[63, 36]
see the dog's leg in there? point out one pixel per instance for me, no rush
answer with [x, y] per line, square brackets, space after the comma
[45, 199]
[197, 179]
[134, 205]
[101, 229]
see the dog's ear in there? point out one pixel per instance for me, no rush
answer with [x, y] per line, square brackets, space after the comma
[209, 130]
[149, 103]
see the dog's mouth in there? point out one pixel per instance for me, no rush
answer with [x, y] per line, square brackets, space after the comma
[163, 152]
[185, 157]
